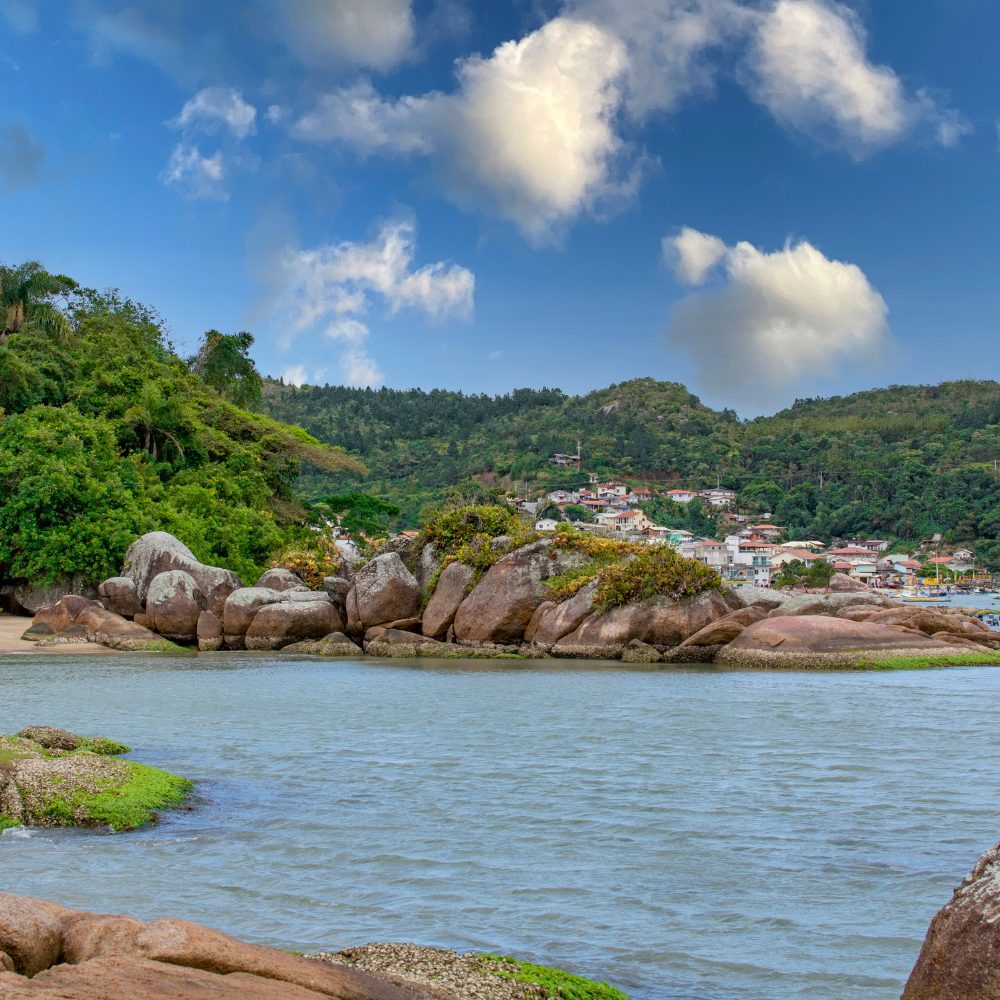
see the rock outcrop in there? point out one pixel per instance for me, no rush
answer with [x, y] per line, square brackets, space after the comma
[288, 622]
[502, 603]
[209, 631]
[280, 579]
[960, 957]
[87, 956]
[34, 597]
[158, 551]
[452, 586]
[174, 603]
[76, 619]
[335, 644]
[120, 595]
[384, 591]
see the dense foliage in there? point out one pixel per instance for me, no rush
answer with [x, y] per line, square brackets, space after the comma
[105, 434]
[899, 463]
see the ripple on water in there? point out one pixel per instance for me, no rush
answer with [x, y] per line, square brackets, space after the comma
[689, 835]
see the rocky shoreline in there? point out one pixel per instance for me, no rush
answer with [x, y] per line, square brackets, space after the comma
[411, 601]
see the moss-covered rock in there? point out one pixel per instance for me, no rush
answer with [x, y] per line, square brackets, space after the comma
[48, 785]
[555, 982]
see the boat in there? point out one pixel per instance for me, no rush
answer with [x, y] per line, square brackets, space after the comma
[914, 596]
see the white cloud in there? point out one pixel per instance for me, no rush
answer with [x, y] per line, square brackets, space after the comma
[194, 175]
[779, 321]
[334, 285]
[809, 68]
[529, 132]
[295, 375]
[214, 108]
[325, 33]
[692, 254]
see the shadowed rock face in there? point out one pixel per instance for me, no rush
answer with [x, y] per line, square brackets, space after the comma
[960, 957]
[158, 551]
[451, 589]
[117, 958]
[385, 591]
[173, 604]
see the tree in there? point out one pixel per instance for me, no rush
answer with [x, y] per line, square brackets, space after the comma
[577, 513]
[361, 514]
[155, 416]
[224, 363]
[549, 509]
[27, 301]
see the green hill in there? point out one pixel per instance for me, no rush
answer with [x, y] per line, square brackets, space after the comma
[901, 463]
[105, 433]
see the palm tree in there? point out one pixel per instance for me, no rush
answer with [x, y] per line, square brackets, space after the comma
[26, 301]
[155, 417]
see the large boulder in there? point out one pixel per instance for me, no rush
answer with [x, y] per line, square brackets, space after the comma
[88, 956]
[34, 597]
[280, 579]
[960, 957]
[278, 625]
[841, 583]
[658, 621]
[503, 602]
[209, 630]
[158, 551]
[75, 619]
[334, 644]
[751, 596]
[931, 620]
[427, 566]
[239, 610]
[819, 640]
[452, 586]
[558, 620]
[174, 602]
[120, 595]
[385, 591]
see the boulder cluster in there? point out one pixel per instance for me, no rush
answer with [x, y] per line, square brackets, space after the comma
[49, 951]
[411, 602]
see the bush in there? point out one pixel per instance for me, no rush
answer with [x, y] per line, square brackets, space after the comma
[656, 572]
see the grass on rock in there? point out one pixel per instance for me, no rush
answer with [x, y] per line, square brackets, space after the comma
[555, 982]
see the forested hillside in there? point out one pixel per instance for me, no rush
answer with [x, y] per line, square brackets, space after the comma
[105, 433]
[901, 462]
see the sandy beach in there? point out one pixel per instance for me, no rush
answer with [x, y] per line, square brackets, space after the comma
[12, 626]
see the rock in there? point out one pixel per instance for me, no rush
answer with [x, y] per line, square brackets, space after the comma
[158, 551]
[119, 594]
[960, 957]
[279, 579]
[34, 597]
[217, 597]
[86, 785]
[209, 631]
[278, 625]
[354, 625]
[502, 603]
[841, 583]
[173, 604]
[239, 610]
[30, 933]
[659, 621]
[74, 617]
[338, 588]
[759, 596]
[716, 634]
[858, 613]
[334, 644]
[394, 642]
[748, 615]
[826, 604]
[818, 640]
[636, 651]
[59, 616]
[427, 566]
[86, 956]
[385, 591]
[930, 620]
[561, 619]
[452, 586]
[411, 624]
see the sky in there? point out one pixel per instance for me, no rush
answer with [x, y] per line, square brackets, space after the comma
[762, 199]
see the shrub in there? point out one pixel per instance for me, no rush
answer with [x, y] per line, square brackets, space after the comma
[658, 571]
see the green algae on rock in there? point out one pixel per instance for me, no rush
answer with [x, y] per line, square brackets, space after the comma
[44, 783]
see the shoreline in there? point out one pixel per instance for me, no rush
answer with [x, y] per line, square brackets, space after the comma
[12, 626]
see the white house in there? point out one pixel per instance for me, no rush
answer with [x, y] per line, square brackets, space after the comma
[681, 496]
[546, 524]
[719, 498]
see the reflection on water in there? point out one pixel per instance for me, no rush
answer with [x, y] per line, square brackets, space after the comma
[685, 834]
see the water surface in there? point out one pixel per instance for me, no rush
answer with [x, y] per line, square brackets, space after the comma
[688, 834]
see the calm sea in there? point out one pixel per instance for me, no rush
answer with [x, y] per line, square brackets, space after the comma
[684, 834]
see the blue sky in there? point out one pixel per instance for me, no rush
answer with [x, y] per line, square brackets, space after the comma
[763, 199]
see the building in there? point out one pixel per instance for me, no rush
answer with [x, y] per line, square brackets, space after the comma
[715, 555]
[559, 459]
[628, 521]
[769, 532]
[868, 544]
[681, 496]
[546, 524]
[718, 498]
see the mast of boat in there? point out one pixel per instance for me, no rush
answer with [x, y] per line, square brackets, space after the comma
[937, 563]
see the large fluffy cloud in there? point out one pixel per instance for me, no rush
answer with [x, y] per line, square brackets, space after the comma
[330, 288]
[215, 108]
[529, 131]
[809, 68]
[776, 322]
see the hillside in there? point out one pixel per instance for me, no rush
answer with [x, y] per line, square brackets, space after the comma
[105, 433]
[901, 462]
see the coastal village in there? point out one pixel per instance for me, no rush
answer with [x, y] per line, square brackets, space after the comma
[747, 548]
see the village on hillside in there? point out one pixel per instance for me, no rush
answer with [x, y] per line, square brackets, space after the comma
[746, 548]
